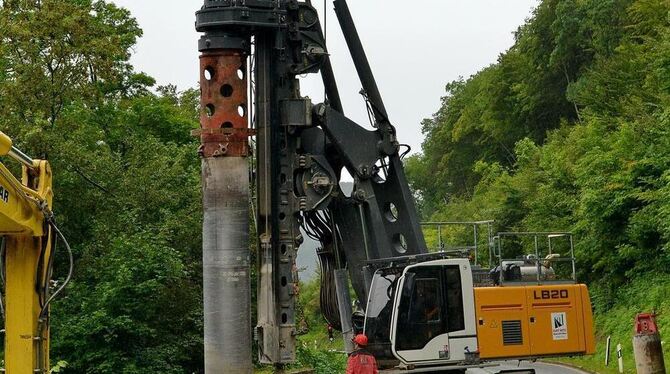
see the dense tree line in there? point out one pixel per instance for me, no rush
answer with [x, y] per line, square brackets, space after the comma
[569, 130]
[127, 184]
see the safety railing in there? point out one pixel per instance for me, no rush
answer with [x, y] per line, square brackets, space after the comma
[539, 267]
[479, 229]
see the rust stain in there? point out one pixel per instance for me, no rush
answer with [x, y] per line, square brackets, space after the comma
[224, 108]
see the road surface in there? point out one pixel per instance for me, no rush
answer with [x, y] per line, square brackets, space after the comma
[540, 368]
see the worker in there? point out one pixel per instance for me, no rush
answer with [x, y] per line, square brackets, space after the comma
[330, 333]
[360, 360]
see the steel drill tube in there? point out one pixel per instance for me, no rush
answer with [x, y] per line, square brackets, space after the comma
[21, 157]
[648, 353]
[225, 184]
[226, 266]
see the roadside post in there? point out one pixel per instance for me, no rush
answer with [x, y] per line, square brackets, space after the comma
[607, 350]
[619, 355]
[647, 345]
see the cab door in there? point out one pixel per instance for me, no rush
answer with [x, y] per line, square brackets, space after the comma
[430, 315]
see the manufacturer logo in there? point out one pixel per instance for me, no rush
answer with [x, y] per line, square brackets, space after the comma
[550, 294]
[4, 194]
[559, 326]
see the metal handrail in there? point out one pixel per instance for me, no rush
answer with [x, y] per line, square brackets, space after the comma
[538, 259]
[475, 225]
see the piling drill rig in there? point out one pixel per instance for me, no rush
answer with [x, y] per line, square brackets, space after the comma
[252, 53]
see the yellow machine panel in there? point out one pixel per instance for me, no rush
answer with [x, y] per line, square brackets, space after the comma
[534, 321]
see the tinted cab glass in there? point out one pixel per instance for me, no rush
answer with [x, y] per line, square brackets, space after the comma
[431, 305]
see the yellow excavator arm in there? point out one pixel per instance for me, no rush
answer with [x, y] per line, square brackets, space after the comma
[22, 202]
[25, 215]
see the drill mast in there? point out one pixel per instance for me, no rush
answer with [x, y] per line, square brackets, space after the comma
[301, 150]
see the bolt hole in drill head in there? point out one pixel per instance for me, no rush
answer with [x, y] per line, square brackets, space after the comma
[209, 110]
[283, 249]
[226, 90]
[240, 73]
[208, 73]
[284, 282]
[242, 110]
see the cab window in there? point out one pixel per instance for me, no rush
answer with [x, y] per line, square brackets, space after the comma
[378, 312]
[425, 303]
[431, 304]
[455, 314]
[421, 309]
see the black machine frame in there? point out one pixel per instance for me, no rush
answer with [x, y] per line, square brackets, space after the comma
[301, 150]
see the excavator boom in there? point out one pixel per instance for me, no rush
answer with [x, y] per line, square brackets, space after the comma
[25, 212]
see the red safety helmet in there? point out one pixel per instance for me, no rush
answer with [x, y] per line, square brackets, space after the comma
[361, 340]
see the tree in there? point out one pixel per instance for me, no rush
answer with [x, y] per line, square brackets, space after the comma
[127, 184]
[587, 85]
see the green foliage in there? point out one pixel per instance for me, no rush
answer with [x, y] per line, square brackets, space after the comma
[59, 367]
[645, 294]
[61, 51]
[314, 349]
[321, 361]
[596, 162]
[127, 185]
[309, 304]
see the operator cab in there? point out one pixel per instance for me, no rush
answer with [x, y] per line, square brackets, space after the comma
[435, 301]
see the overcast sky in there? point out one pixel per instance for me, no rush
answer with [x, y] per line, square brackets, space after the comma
[415, 48]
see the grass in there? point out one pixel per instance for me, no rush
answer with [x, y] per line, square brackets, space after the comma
[315, 351]
[646, 294]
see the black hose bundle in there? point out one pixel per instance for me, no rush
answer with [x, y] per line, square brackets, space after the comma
[328, 300]
[319, 226]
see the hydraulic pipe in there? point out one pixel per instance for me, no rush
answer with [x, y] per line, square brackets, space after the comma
[344, 306]
[6, 148]
[225, 185]
[21, 157]
[360, 60]
[329, 82]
